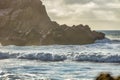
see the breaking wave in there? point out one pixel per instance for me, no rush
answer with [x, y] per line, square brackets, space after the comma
[92, 57]
[106, 50]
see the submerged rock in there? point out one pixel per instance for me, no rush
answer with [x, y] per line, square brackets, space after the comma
[25, 22]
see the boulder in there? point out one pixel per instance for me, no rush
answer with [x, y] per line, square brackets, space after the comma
[107, 76]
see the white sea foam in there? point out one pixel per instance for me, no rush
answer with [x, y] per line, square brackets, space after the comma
[81, 56]
[42, 56]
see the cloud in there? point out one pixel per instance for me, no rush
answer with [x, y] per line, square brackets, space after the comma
[105, 15]
[96, 13]
[114, 5]
[77, 1]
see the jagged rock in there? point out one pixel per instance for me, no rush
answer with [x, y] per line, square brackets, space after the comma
[98, 35]
[25, 22]
[107, 76]
[72, 35]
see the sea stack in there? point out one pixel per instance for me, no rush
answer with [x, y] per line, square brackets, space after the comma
[25, 22]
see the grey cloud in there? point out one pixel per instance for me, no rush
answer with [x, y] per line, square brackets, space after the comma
[87, 1]
[100, 13]
[77, 1]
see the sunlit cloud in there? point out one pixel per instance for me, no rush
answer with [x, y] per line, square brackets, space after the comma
[97, 13]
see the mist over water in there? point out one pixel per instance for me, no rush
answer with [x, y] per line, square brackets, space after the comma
[61, 62]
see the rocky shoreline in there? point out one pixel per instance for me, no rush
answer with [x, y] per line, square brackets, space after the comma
[25, 22]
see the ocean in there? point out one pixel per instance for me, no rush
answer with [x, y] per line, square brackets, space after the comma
[61, 62]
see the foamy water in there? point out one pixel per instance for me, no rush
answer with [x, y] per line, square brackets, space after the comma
[61, 62]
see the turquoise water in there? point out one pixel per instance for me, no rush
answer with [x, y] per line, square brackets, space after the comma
[61, 62]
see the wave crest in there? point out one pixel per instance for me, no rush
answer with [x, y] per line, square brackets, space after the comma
[42, 57]
[91, 57]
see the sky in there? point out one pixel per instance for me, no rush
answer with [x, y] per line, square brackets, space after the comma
[98, 14]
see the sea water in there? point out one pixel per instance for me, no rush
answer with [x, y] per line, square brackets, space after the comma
[61, 62]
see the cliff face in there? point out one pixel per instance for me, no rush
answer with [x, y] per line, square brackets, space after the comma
[78, 34]
[25, 22]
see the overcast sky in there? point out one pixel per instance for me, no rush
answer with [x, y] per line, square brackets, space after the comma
[99, 14]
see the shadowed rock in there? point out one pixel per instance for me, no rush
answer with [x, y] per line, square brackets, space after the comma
[70, 35]
[25, 22]
[107, 76]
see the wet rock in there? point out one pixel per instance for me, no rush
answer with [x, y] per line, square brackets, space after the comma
[107, 76]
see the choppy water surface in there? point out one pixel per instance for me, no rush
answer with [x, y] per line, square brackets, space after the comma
[12, 69]
[61, 62]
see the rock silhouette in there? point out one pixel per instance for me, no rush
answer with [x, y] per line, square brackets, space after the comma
[25, 22]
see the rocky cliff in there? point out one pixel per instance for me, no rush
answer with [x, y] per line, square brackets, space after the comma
[25, 22]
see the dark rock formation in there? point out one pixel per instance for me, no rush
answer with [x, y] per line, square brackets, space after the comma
[71, 35]
[25, 22]
[107, 76]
